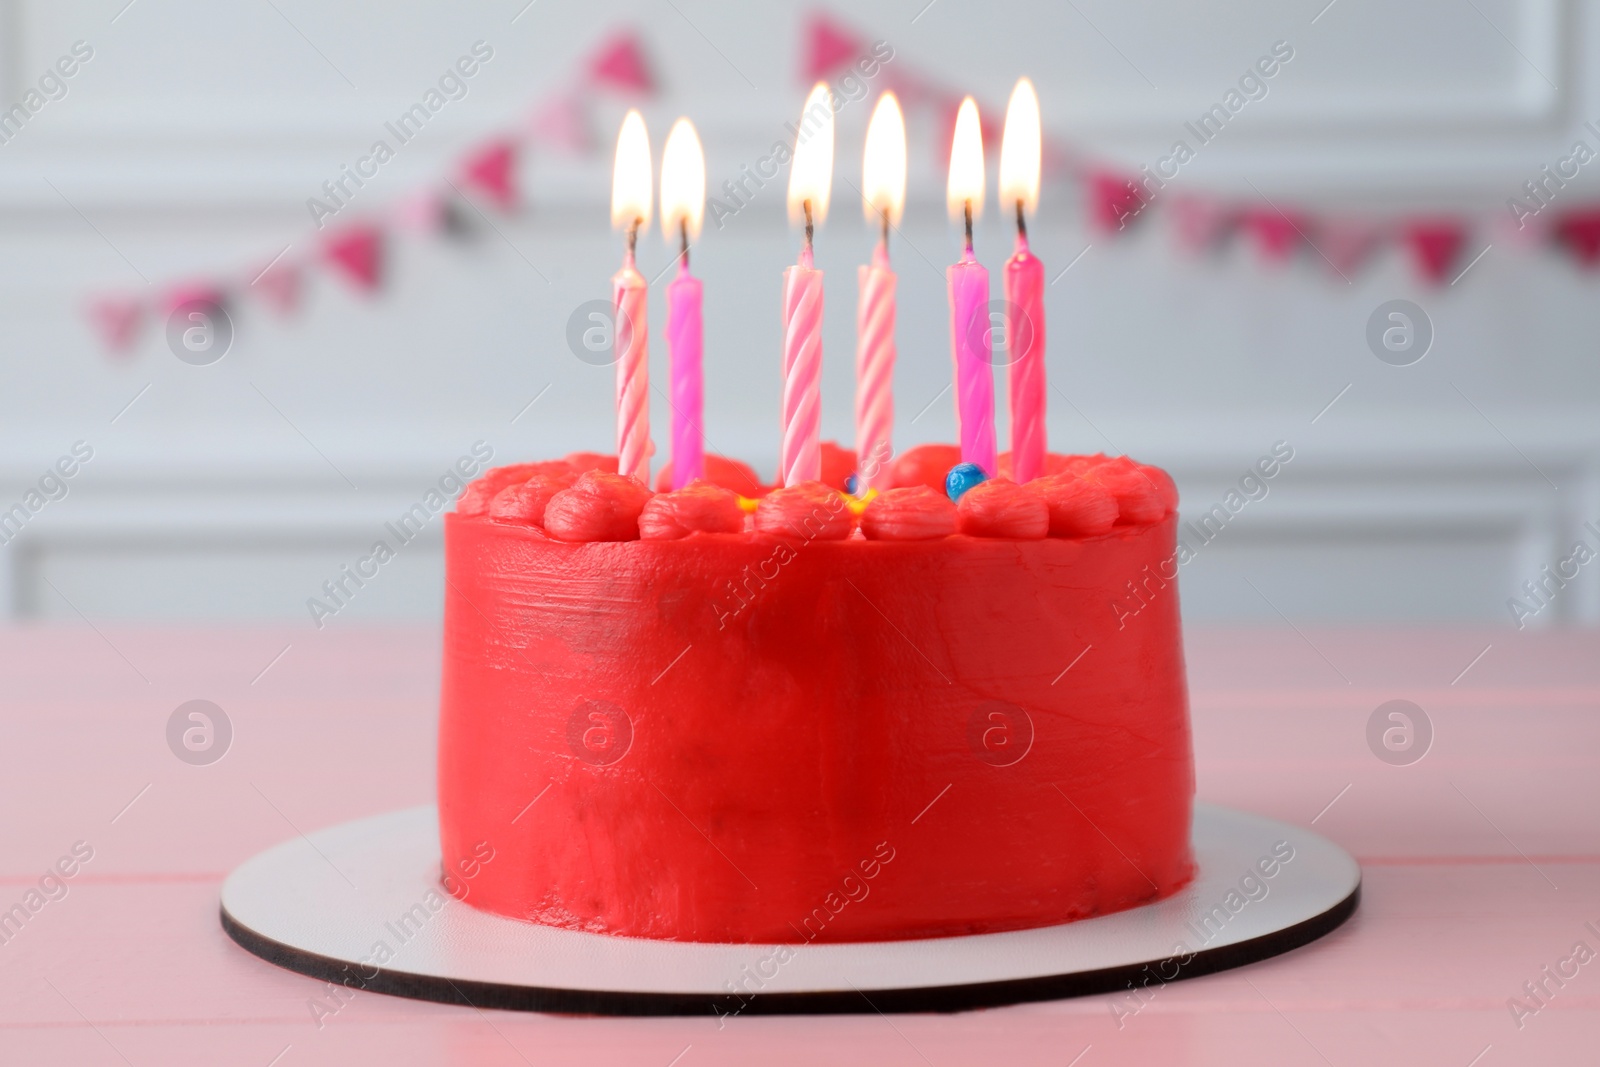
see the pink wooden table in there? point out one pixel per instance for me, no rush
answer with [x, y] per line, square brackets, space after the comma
[1482, 863]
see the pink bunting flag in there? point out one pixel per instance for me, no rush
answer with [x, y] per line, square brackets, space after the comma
[117, 320]
[620, 63]
[1579, 232]
[828, 46]
[191, 292]
[1435, 245]
[1276, 236]
[1199, 223]
[357, 252]
[1114, 200]
[562, 122]
[1346, 244]
[280, 286]
[492, 171]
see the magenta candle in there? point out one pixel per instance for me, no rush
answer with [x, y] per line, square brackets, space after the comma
[810, 180]
[684, 350]
[968, 284]
[683, 198]
[1024, 285]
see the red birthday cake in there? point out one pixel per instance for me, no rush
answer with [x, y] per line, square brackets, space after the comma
[730, 713]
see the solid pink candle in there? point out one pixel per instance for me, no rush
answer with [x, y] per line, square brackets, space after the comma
[968, 284]
[801, 458]
[1024, 282]
[633, 370]
[684, 347]
[875, 355]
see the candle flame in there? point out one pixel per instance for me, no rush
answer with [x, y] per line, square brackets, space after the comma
[966, 163]
[630, 177]
[811, 174]
[883, 180]
[1019, 149]
[683, 182]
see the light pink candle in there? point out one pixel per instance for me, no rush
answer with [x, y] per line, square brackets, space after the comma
[810, 180]
[875, 353]
[1024, 282]
[630, 209]
[968, 284]
[683, 198]
[684, 342]
[630, 296]
[883, 189]
[801, 457]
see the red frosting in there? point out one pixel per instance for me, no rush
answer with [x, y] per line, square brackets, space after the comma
[591, 461]
[698, 507]
[1000, 507]
[838, 464]
[1078, 507]
[915, 513]
[1140, 498]
[741, 738]
[810, 511]
[526, 502]
[719, 470]
[598, 507]
[475, 500]
[925, 465]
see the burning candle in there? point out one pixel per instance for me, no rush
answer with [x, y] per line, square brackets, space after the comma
[883, 197]
[630, 209]
[683, 204]
[1024, 282]
[968, 284]
[810, 181]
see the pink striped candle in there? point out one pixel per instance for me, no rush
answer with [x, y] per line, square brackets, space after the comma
[810, 180]
[875, 354]
[1024, 283]
[630, 209]
[630, 297]
[801, 458]
[883, 197]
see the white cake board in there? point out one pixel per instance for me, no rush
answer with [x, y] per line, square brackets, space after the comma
[322, 904]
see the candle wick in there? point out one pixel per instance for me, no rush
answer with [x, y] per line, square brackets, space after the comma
[807, 205]
[967, 210]
[885, 214]
[633, 235]
[1022, 222]
[683, 242]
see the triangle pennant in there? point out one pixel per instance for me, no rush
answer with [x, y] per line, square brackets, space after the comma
[1276, 235]
[1114, 200]
[620, 63]
[1580, 233]
[117, 320]
[492, 170]
[280, 286]
[828, 47]
[562, 122]
[357, 252]
[1435, 245]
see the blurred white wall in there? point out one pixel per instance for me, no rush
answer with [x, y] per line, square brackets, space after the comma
[190, 142]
